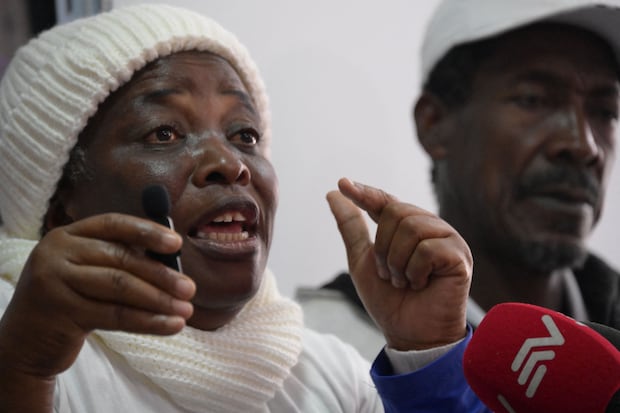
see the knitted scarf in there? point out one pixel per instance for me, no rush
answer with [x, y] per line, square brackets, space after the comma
[239, 367]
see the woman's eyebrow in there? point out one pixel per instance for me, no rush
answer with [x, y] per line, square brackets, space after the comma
[243, 97]
[157, 95]
[155, 87]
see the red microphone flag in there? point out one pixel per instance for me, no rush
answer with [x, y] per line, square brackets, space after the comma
[528, 359]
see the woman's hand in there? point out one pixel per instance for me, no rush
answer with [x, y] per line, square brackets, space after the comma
[414, 279]
[91, 274]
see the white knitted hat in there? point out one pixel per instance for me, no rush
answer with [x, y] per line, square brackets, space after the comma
[55, 83]
[455, 22]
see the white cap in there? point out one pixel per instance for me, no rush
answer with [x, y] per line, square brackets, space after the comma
[55, 83]
[455, 22]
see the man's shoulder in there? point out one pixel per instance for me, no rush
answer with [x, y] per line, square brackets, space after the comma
[596, 265]
[600, 286]
[598, 274]
[331, 311]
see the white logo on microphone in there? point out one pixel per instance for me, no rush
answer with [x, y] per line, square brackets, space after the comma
[555, 339]
[529, 363]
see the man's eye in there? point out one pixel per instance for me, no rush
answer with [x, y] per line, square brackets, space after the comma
[164, 134]
[606, 114]
[530, 101]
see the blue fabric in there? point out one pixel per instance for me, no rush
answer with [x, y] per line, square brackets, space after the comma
[438, 387]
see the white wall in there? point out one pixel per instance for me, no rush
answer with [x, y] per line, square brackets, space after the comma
[342, 76]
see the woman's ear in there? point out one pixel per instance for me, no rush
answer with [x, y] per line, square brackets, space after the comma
[430, 116]
[57, 214]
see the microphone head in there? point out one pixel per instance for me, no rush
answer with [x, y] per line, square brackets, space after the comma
[525, 358]
[155, 202]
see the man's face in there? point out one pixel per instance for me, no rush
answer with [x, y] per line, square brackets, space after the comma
[187, 122]
[529, 154]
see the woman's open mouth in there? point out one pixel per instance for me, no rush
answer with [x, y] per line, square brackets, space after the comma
[230, 229]
[229, 226]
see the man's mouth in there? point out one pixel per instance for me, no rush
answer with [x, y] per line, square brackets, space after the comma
[567, 196]
[562, 186]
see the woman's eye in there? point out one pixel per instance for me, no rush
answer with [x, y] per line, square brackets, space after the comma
[247, 137]
[164, 134]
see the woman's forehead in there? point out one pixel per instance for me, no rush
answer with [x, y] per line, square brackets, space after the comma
[193, 72]
[182, 66]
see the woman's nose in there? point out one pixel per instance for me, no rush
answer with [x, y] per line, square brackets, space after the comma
[219, 162]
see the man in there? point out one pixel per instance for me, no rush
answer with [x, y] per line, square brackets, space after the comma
[519, 114]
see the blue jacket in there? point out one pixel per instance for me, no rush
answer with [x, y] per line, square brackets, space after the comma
[439, 387]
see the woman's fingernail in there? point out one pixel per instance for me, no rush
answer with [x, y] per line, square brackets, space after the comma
[170, 239]
[381, 270]
[398, 282]
[182, 308]
[185, 287]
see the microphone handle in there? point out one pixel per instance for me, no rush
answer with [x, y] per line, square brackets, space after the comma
[170, 260]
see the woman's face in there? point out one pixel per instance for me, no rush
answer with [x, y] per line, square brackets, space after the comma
[188, 123]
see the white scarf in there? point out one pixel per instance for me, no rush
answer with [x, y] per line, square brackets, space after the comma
[239, 367]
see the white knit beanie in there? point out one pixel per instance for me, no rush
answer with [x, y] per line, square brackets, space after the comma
[56, 82]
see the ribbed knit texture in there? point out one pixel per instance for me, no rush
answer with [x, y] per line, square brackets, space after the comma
[55, 83]
[237, 368]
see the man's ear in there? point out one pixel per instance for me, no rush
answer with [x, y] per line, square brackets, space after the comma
[431, 118]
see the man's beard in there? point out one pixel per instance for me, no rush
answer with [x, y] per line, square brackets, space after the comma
[537, 256]
[543, 257]
[548, 255]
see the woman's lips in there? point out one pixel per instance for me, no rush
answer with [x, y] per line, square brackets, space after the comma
[230, 230]
[226, 227]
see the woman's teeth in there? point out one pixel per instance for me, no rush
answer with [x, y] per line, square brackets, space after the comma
[227, 227]
[230, 217]
[226, 236]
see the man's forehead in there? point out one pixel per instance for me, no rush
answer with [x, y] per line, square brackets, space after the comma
[537, 47]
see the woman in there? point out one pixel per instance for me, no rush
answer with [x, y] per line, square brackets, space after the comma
[97, 110]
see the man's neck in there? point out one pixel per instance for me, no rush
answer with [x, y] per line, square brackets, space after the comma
[493, 283]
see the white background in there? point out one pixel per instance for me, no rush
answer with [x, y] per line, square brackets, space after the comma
[342, 77]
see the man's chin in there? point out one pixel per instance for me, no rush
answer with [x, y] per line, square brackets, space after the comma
[545, 257]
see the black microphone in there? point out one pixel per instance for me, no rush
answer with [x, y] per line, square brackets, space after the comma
[529, 359]
[611, 334]
[156, 205]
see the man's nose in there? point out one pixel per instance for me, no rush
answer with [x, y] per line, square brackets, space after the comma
[573, 139]
[219, 162]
